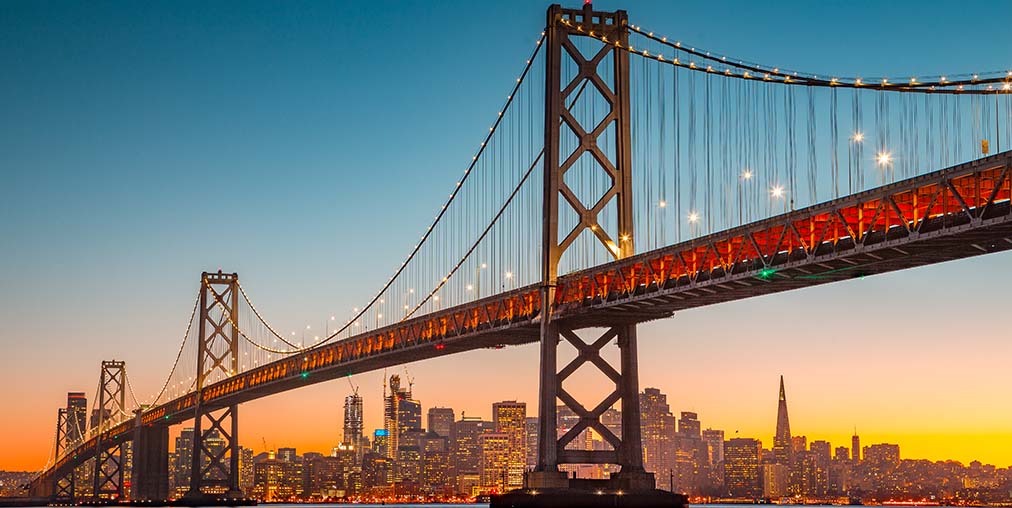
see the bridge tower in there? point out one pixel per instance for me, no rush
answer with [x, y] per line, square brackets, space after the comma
[64, 485]
[215, 469]
[108, 472]
[626, 450]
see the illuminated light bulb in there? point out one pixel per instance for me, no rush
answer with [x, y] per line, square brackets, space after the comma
[483, 265]
[1007, 86]
[857, 81]
[944, 79]
[884, 158]
[436, 298]
[693, 217]
[662, 204]
[913, 80]
[858, 137]
[509, 275]
[777, 191]
[624, 238]
[470, 287]
[747, 174]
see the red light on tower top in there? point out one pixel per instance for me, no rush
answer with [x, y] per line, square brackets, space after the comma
[588, 2]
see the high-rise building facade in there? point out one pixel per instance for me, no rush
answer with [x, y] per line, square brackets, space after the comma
[855, 448]
[353, 425]
[495, 460]
[510, 418]
[532, 442]
[657, 426]
[440, 420]
[714, 440]
[782, 446]
[401, 412]
[246, 475]
[465, 451]
[741, 468]
[184, 454]
[77, 416]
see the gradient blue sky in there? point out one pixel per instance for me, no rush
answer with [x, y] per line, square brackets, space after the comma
[305, 144]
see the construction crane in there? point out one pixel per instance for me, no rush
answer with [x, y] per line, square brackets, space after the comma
[354, 387]
[411, 381]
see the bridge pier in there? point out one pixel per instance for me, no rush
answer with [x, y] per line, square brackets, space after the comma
[547, 485]
[215, 460]
[108, 473]
[150, 474]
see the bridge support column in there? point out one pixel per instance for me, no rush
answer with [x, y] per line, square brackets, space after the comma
[108, 473]
[63, 488]
[609, 220]
[150, 474]
[215, 460]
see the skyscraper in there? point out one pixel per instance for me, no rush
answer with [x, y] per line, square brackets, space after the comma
[400, 413]
[465, 451]
[353, 424]
[184, 452]
[495, 459]
[741, 468]
[657, 426]
[714, 445]
[782, 439]
[510, 418]
[855, 448]
[77, 416]
[532, 442]
[440, 421]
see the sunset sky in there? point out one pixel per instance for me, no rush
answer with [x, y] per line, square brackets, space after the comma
[304, 145]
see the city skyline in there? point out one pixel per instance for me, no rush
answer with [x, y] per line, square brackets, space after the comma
[932, 385]
[444, 458]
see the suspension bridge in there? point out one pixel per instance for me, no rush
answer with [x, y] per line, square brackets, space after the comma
[628, 175]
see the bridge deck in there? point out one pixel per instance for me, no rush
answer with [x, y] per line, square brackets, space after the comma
[954, 213]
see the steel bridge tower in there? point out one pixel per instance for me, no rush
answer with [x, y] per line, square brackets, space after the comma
[627, 449]
[214, 470]
[108, 473]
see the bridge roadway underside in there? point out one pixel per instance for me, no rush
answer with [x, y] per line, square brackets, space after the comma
[955, 213]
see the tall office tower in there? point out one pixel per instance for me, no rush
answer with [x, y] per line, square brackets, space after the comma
[510, 418]
[77, 416]
[440, 421]
[495, 459]
[657, 428]
[782, 439]
[690, 455]
[353, 426]
[714, 440]
[821, 453]
[435, 464]
[688, 425]
[400, 413]
[741, 468]
[465, 451]
[532, 442]
[855, 448]
[841, 454]
[246, 470]
[184, 454]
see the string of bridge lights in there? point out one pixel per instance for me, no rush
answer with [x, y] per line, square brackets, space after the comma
[414, 252]
[179, 353]
[996, 82]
